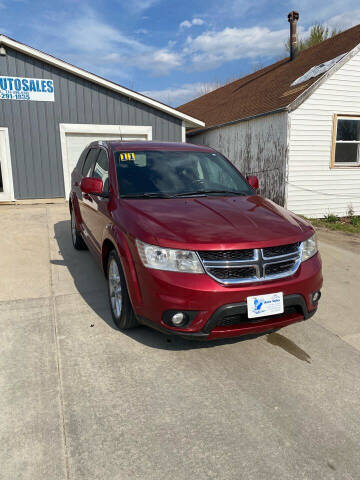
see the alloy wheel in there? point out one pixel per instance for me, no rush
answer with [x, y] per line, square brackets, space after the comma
[115, 289]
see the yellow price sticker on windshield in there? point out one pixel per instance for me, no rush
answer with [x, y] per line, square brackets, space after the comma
[127, 157]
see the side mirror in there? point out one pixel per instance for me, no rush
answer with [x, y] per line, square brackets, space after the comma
[91, 185]
[253, 181]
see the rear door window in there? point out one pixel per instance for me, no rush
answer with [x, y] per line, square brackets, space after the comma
[90, 162]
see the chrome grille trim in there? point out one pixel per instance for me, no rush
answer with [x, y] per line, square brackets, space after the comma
[258, 263]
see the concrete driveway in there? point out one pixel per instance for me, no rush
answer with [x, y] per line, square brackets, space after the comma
[81, 400]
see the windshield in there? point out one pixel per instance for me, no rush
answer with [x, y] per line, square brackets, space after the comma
[156, 173]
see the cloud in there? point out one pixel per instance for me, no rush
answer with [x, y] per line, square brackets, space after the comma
[176, 96]
[88, 41]
[185, 24]
[160, 61]
[157, 61]
[138, 6]
[345, 20]
[212, 48]
[240, 8]
[85, 38]
[90, 34]
[190, 23]
[321, 10]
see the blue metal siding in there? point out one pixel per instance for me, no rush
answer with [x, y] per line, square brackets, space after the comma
[34, 126]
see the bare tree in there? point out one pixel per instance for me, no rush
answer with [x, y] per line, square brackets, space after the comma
[208, 87]
[318, 33]
[257, 65]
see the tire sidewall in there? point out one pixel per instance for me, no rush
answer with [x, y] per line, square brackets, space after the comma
[73, 221]
[126, 310]
[78, 242]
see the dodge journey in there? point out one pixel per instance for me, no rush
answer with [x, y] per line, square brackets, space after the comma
[187, 245]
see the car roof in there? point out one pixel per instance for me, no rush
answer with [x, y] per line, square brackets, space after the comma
[132, 145]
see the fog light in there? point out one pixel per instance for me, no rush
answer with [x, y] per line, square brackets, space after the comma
[178, 319]
[316, 297]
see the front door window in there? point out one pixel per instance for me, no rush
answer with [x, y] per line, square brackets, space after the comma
[101, 170]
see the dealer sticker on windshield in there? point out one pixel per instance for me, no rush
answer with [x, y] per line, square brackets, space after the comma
[127, 156]
[264, 305]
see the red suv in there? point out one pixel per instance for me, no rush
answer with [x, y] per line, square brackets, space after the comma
[186, 244]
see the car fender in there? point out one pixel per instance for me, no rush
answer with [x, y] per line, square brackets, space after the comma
[74, 204]
[117, 237]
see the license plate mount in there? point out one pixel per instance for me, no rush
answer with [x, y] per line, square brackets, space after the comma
[265, 305]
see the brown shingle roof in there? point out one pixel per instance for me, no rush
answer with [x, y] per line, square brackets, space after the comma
[270, 88]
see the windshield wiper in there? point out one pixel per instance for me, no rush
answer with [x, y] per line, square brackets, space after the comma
[147, 195]
[184, 194]
[206, 192]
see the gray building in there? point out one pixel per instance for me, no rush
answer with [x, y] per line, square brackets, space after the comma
[50, 110]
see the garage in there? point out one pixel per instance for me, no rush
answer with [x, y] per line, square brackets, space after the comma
[50, 110]
[75, 137]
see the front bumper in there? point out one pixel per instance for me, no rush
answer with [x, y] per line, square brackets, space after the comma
[162, 291]
[212, 330]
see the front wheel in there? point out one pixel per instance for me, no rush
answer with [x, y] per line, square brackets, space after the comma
[120, 304]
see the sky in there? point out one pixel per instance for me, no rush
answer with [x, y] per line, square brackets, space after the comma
[170, 50]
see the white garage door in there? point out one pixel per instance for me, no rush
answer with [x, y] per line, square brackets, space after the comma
[73, 142]
[6, 180]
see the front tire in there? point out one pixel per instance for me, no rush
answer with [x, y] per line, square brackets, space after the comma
[120, 304]
[76, 237]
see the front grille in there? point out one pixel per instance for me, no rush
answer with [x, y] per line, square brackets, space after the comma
[228, 273]
[227, 255]
[240, 318]
[281, 250]
[278, 268]
[252, 265]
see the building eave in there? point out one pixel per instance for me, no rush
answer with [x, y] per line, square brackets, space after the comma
[198, 131]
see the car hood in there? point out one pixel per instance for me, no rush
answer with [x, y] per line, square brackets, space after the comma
[214, 222]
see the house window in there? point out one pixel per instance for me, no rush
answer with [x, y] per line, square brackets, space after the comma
[347, 142]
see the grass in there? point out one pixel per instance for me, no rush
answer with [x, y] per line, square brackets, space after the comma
[331, 218]
[343, 224]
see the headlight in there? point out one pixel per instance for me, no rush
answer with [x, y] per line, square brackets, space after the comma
[161, 258]
[309, 248]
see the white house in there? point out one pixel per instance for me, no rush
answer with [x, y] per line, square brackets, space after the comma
[295, 124]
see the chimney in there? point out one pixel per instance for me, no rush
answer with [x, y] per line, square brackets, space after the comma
[293, 18]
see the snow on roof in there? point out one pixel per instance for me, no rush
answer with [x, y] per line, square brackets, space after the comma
[317, 70]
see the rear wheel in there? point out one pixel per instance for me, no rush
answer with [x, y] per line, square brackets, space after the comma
[120, 304]
[76, 237]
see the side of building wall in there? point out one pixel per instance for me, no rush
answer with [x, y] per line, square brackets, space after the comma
[314, 188]
[34, 131]
[256, 147]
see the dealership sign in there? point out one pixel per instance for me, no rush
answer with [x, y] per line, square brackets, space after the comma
[19, 88]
